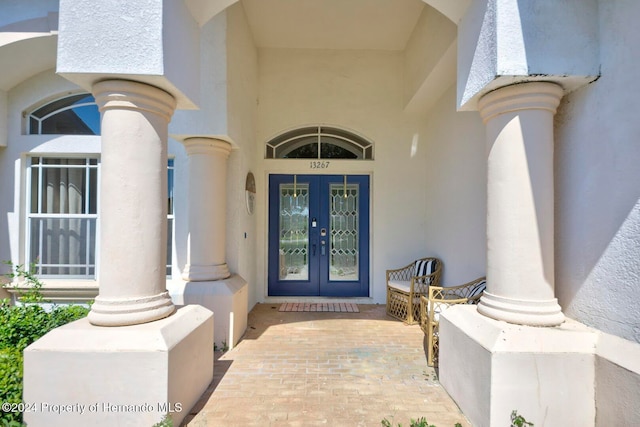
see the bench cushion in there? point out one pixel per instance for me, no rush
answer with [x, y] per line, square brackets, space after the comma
[401, 285]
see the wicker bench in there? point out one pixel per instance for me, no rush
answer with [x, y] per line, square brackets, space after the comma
[405, 286]
[439, 299]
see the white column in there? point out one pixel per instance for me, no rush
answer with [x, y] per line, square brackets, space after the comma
[520, 213]
[133, 204]
[206, 244]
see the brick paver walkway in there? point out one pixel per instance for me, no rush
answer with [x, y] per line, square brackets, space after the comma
[318, 368]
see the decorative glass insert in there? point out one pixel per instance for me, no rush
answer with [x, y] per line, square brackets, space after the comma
[344, 232]
[63, 212]
[294, 232]
[319, 142]
[72, 115]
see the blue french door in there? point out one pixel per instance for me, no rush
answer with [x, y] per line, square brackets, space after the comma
[319, 235]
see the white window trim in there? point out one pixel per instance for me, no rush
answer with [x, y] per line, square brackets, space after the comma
[29, 215]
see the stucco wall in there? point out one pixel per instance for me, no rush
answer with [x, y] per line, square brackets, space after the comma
[13, 163]
[361, 91]
[241, 104]
[456, 190]
[433, 30]
[12, 157]
[597, 191]
[211, 116]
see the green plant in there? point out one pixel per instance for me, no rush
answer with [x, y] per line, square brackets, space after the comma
[420, 422]
[224, 346]
[165, 422]
[10, 384]
[519, 420]
[20, 325]
[28, 277]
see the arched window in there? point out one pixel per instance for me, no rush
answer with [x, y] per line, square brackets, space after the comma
[62, 192]
[319, 142]
[71, 115]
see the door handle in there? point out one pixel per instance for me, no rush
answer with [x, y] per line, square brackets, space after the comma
[323, 245]
[313, 249]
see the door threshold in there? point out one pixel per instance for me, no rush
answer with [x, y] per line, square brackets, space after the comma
[354, 300]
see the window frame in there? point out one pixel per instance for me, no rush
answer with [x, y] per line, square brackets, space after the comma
[30, 215]
[29, 114]
[93, 153]
[279, 146]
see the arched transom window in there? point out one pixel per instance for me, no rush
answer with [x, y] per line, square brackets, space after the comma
[319, 142]
[70, 115]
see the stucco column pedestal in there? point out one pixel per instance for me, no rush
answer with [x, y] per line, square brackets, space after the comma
[520, 215]
[82, 375]
[207, 209]
[133, 203]
[134, 358]
[227, 298]
[490, 368]
[206, 277]
[515, 351]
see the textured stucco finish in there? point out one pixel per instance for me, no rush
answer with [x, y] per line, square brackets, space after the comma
[429, 72]
[456, 206]
[228, 299]
[133, 203]
[211, 116]
[520, 220]
[206, 239]
[168, 361]
[428, 186]
[598, 198]
[142, 40]
[566, 375]
[242, 64]
[503, 42]
[491, 367]
[617, 381]
[360, 91]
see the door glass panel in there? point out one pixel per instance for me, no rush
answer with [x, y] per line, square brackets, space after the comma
[294, 232]
[343, 262]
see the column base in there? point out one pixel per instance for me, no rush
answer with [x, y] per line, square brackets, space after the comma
[205, 273]
[130, 311]
[81, 374]
[491, 368]
[228, 299]
[521, 312]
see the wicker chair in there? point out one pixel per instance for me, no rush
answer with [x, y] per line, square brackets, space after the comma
[439, 299]
[406, 284]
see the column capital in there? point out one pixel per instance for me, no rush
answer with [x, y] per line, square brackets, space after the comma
[522, 96]
[207, 145]
[126, 94]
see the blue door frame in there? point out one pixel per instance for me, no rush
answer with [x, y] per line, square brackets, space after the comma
[319, 243]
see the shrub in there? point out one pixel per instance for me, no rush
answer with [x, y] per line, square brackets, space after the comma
[20, 325]
[10, 384]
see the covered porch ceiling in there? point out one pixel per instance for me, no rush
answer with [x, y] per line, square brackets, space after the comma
[424, 30]
[333, 24]
[386, 25]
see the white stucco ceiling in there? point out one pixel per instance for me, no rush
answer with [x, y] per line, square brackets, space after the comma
[332, 24]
